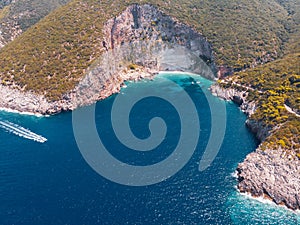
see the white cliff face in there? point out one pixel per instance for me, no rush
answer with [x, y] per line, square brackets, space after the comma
[269, 173]
[146, 37]
[158, 41]
[142, 36]
[29, 102]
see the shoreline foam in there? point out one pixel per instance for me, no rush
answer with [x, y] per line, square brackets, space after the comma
[264, 200]
[8, 110]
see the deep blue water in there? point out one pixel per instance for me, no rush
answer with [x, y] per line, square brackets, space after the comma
[51, 183]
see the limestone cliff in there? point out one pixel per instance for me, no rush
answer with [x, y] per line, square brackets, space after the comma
[268, 173]
[272, 175]
[138, 43]
[156, 40]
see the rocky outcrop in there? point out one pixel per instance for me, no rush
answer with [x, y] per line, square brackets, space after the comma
[137, 44]
[238, 97]
[86, 93]
[146, 36]
[261, 130]
[271, 175]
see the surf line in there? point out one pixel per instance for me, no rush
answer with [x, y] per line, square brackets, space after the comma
[21, 131]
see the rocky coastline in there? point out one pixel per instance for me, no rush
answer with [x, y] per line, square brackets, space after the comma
[268, 173]
[137, 44]
[18, 101]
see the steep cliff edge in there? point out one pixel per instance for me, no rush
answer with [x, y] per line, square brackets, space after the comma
[156, 39]
[240, 98]
[138, 43]
[52, 56]
[272, 173]
[84, 51]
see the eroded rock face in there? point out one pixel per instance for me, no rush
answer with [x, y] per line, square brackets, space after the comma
[261, 130]
[142, 36]
[156, 40]
[230, 94]
[271, 175]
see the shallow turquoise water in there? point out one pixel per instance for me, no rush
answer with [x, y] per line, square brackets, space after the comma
[51, 183]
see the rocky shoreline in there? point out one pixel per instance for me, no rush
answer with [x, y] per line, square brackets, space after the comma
[240, 98]
[137, 44]
[18, 101]
[268, 173]
[171, 46]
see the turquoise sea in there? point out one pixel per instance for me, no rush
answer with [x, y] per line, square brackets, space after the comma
[49, 182]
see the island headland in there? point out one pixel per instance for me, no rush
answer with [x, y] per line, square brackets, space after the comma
[138, 43]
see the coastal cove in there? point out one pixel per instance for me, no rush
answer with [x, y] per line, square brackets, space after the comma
[51, 182]
[149, 112]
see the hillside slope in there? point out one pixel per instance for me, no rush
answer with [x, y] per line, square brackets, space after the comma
[275, 86]
[271, 97]
[52, 56]
[292, 25]
[18, 15]
[91, 45]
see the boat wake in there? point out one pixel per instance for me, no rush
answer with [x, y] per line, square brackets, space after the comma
[21, 131]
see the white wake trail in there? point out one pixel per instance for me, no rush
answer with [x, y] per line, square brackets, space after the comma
[21, 131]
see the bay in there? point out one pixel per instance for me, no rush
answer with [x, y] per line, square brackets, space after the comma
[51, 183]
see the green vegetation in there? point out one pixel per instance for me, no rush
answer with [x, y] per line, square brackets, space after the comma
[4, 12]
[22, 14]
[274, 85]
[52, 56]
[32, 10]
[278, 83]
